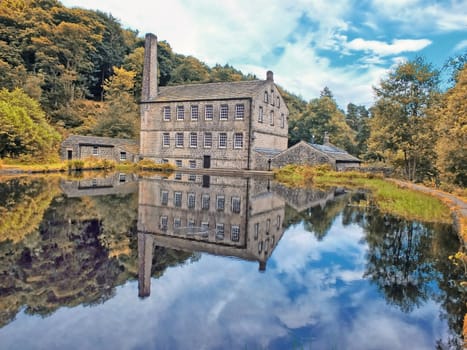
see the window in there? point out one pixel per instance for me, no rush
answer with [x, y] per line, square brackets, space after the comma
[164, 197]
[178, 163]
[220, 202]
[260, 115]
[192, 177]
[268, 225]
[239, 111]
[235, 205]
[224, 112]
[282, 120]
[122, 156]
[272, 97]
[177, 223]
[266, 245]
[121, 177]
[193, 140]
[256, 233]
[178, 176]
[180, 113]
[191, 200]
[207, 140]
[222, 140]
[165, 139]
[266, 97]
[166, 113]
[191, 225]
[163, 223]
[278, 222]
[238, 140]
[219, 231]
[95, 151]
[271, 118]
[205, 228]
[205, 199]
[235, 233]
[165, 161]
[179, 139]
[194, 112]
[278, 104]
[178, 199]
[94, 182]
[192, 164]
[208, 112]
[260, 246]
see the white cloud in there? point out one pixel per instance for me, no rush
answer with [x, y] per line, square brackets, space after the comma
[384, 49]
[461, 46]
[245, 34]
[414, 15]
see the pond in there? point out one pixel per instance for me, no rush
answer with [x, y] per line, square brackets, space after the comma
[117, 261]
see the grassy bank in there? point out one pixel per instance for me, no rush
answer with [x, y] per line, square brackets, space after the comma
[84, 164]
[389, 197]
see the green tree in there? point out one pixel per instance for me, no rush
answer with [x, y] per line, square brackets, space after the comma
[401, 130]
[24, 130]
[322, 115]
[357, 117]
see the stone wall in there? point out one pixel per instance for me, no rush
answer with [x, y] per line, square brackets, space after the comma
[301, 154]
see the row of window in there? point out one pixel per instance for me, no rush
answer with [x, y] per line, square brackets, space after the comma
[203, 229]
[269, 98]
[95, 152]
[193, 139]
[205, 201]
[271, 117]
[223, 113]
[191, 228]
[239, 112]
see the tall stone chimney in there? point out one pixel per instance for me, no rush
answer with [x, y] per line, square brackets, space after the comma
[326, 139]
[269, 75]
[149, 91]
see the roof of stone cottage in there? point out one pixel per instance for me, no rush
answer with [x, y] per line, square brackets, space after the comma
[335, 153]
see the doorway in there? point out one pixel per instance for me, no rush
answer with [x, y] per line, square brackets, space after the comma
[206, 162]
[69, 154]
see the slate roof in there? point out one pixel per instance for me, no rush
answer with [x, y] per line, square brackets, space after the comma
[335, 153]
[129, 144]
[210, 91]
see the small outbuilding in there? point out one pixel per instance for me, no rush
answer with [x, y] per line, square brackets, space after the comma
[81, 147]
[314, 154]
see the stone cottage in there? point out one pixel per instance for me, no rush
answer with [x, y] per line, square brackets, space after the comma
[314, 154]
[81, 147]
[235, 125]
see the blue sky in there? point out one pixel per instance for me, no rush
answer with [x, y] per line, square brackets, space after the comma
[347, 45]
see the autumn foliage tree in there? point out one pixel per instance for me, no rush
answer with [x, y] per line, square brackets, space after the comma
[451, 128]
[401, 129]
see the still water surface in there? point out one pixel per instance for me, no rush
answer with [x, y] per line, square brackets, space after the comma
[198, 262]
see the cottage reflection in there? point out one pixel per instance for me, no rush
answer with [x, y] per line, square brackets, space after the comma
[239, 217]
[100, 185]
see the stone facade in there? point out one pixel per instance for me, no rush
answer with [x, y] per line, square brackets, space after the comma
[214, 125]
[81, 147]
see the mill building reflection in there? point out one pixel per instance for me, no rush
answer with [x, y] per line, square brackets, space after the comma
[238, 217]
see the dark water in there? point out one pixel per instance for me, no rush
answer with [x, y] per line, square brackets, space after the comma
[195, 262]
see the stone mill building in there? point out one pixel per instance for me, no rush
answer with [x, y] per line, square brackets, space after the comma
[228, 125]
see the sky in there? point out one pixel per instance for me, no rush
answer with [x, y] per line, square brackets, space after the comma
[346, 45]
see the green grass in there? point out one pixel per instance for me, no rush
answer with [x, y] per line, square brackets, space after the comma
[389, 198]
[86, 164]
